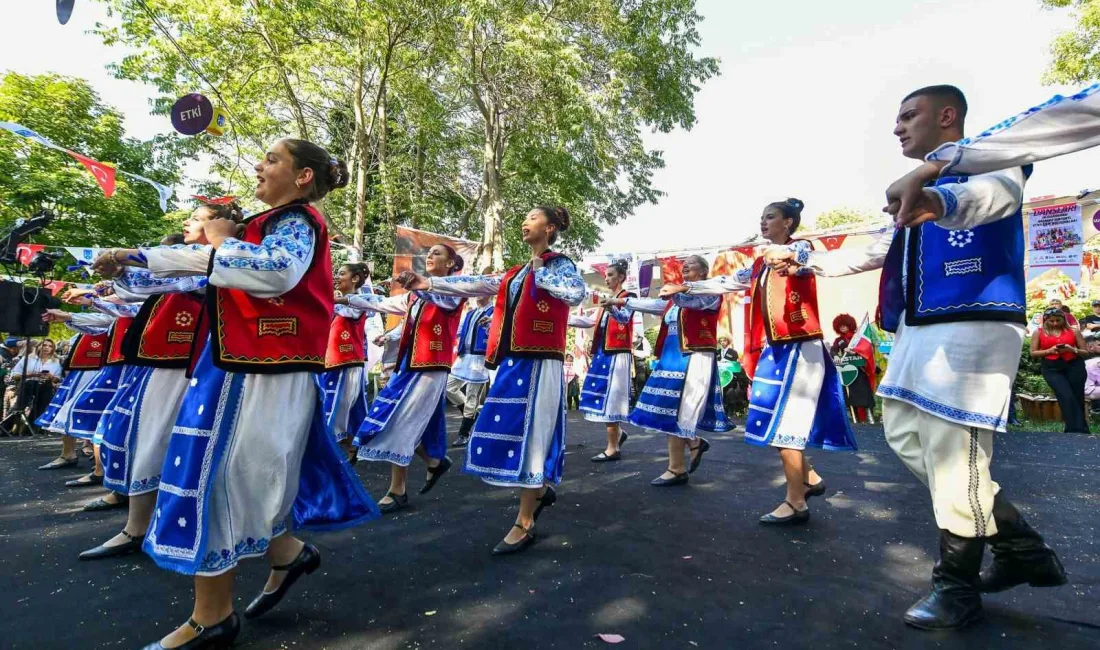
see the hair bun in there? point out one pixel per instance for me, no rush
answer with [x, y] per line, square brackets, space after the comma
[563, 215]
[338, 174]
[796, 204]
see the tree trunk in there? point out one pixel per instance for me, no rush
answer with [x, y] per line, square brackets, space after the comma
[362, 162]
[383, 167]
[492, 205]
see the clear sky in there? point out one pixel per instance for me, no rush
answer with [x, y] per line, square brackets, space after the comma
[804, 106]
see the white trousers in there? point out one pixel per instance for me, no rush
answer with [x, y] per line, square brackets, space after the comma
[952, 460]
[468, 400]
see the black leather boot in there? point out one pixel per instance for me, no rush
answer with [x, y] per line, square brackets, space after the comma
[1019, 554]
[954, 601]
[464, 432]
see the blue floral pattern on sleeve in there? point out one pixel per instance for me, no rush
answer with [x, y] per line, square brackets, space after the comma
[559, 276]
[706, 303]
[143, 279]
[290, 239]
[950, 202]
[450, 303]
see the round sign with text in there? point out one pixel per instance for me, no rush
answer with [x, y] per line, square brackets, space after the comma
[191, 114]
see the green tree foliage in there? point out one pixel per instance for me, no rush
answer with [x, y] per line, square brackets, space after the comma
[454, 116]
[1076, 53]
[843, 217]
[33, 177]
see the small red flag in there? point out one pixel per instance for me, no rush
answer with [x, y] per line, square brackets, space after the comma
[221, 200]
[24, 252]
[104, 173]
[833, 242]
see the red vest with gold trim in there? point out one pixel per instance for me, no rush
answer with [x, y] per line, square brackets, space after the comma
[114, 346]
[164, 331]
[784, 311]
[617, 337]
[533, 326]
[346, 337]
[88, 353]
[280, 334]
[698, 330]
[431, 336]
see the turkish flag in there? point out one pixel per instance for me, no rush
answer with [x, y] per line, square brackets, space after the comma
[56, 286]
[833, 242]
[104, 173]
[24, 252]
[672, 270]
[747, 251]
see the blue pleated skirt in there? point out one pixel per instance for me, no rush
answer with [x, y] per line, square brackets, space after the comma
[605, 394]
[91, 403]
[344, 395]
[408, 411]
[518, 439]
[682, 395]
[66, 392]
[797, 400]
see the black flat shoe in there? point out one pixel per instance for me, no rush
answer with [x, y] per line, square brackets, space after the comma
[504, 548]
[101, 552]
[101, 504]
[435, 473]
[400, 502]
[678, 479]
[604, 458]
[548, 498]
[216, 637]
[308, 560]
[88, 480]
[460, 441]
[796, 517]
[703, 447]
[815, 490]
[65, 462]
[622, 438]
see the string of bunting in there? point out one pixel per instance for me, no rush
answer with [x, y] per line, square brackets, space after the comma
[104, 173]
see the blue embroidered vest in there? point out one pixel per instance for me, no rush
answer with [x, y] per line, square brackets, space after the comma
[479, 342]
[955, 275]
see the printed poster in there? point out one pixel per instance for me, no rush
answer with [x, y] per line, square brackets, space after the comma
[1055, 243]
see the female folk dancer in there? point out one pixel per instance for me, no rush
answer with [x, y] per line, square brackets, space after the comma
[682, 396]
[343, 384]
[469, 379]
[519, 437]
[87, 356]
[138, 423]
[797, 399]
[605, 396]
[407, 417]
[249, 449]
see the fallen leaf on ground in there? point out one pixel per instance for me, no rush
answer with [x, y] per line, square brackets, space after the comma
[431, 613]
[611, 638]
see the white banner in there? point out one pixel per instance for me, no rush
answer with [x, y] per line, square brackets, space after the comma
[1055, 241]
[83, 255]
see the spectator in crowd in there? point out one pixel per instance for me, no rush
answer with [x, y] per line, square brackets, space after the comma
[1092, 377]
[572, 386]
[1057, 304]
[1091, 324]
[1060, 347]
[642, 351]
[725, 350]
[8, 350]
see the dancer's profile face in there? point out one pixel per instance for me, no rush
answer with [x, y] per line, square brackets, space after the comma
[693, 271]
[774, 226]
[439, 261]
[192, 227]
[345, 281]
[277, 180]
[918, 126]
[536, 228]
[613, 278]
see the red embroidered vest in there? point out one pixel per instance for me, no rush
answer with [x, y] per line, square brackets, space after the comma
[698, 330]
[533, 326]
[280, 334]
[88, 353]
[117, 335]
[785, 311]
[164, 331]
[346, 337]
[617, 337]
[431, 336]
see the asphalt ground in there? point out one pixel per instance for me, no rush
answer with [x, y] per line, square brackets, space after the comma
[681, 567]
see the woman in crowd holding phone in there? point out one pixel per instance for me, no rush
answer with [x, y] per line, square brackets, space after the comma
[1060, 347]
